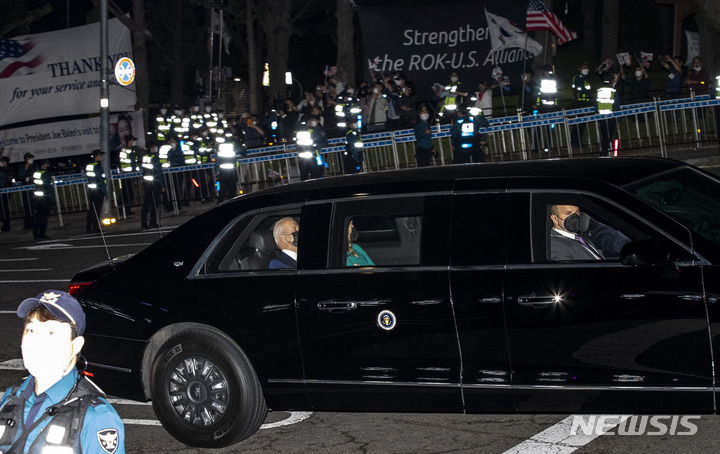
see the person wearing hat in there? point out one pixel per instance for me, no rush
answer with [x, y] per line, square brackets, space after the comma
[128, 163]
[5, 180]
[467, 141]
[44, 199]
[153, 186]
[97, 191]
[56, 408]
[353, 155]
[25, 177]
[423, 138]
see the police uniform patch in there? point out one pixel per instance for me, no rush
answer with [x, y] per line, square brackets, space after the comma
[386, 320]
[108, 439]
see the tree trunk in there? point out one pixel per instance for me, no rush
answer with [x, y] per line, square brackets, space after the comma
[277, 24]
[589, 7]
[253, 70]
[142, 77]
[177, 76]
[610, 31]
[345, 34]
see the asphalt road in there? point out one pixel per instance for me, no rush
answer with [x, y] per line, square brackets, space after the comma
[28, 267]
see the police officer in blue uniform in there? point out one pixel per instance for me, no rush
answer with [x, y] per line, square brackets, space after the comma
[56, 409]
[310, 140]
[97, 191]
[44, 199]
[353, 156]
[467, 141]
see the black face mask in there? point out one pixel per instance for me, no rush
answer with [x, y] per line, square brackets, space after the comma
[353, 235]
[579, 223]
[295, 238]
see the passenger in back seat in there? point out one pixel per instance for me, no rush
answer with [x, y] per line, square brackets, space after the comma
[356, 256]
[285, 233]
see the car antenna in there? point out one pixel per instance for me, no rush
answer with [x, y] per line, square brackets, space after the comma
[102, 235]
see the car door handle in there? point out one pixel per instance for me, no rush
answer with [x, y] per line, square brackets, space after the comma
[537, 301]
[337, 306]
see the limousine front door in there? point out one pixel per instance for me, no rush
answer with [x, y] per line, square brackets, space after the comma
[601, 336]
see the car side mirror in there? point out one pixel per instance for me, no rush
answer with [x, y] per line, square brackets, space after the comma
[649, 253]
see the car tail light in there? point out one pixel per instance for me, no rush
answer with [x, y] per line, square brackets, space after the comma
[75, 288]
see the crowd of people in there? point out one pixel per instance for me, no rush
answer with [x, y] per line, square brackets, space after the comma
[334, 108]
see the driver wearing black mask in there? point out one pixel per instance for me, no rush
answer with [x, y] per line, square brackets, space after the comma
[567, 236]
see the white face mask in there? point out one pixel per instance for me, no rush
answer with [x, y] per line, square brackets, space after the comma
[453, 79]
[424, 116]
[31, 160]
[350, 91]
[697, 68]
[313, 123]
[638, 73]
[208, 109]
[584, 71]
[375, 90]
[163, 111]
[47, 350]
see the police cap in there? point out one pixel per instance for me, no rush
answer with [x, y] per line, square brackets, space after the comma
[63, 306]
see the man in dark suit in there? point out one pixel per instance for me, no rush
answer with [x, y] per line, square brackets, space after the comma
[285, 233]
[566, 240]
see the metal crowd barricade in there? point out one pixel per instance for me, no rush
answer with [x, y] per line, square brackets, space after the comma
[70, 194]
[13, 196]
[642, 128]
[181, 180]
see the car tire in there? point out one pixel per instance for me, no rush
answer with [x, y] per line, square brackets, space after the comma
[205, 391]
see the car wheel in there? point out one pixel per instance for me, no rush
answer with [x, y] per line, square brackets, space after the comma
[205, 391]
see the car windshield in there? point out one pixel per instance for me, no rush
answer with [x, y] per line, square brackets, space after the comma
[690, 197]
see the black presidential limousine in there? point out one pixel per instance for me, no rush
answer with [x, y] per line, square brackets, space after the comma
[464, 305]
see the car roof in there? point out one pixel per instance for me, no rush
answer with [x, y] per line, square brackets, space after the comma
[616, 171]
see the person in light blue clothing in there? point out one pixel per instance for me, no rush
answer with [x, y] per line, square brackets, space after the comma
[356, 256]
[56, 409]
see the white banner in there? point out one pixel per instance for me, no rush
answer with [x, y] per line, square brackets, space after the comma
[57, 73]
[68, 138]
[693, 46]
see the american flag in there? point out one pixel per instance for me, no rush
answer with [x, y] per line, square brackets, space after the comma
[539, 17]
[18, 57]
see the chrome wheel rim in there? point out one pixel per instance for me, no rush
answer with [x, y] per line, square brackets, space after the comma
[198, 391]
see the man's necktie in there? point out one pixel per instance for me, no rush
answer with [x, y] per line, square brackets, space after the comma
[589, 248]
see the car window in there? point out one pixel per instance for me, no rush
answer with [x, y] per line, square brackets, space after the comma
[576, 227]
[690, 197]
[377, 233]
[250, 245]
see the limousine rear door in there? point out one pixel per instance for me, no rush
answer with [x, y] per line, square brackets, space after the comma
[381, 336]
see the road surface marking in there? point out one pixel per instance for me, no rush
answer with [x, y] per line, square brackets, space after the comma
[294, 418]
[12, 364]
[62, 246]
[142, 422]
[21, 281]
[19, 260]
[558, 440]
[118, 401]
[25, 269]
